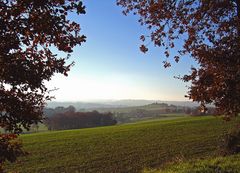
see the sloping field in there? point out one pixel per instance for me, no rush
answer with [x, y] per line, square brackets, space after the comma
[228, 164]
[122, 148]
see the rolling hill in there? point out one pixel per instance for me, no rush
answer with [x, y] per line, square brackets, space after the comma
[122, 148]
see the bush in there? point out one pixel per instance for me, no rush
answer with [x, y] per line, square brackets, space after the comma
[231, 142]
[10, 149]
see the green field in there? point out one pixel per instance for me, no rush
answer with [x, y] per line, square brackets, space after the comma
[123, 148]
[227, 164]
[149, 107]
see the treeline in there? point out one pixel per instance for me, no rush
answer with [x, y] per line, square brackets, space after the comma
[76, 120]
[49, 112]
[68, 118]
[196, 111]
[161, 110]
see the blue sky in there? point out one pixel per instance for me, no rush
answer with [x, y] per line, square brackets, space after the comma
[110, 65]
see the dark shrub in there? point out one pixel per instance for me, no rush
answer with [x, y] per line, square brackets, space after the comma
[231, 142]
[77, 120]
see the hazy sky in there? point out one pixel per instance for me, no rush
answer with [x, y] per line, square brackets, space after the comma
[110, 65]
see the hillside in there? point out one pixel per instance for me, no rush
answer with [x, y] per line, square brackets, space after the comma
[228, 164]
[129, 114]
[123, 148]
[148, 107]
[117, 103]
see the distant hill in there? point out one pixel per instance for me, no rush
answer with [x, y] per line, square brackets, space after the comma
[126, 111]
[123, 114]
[146, 102]
[117, 103]
[78, 105]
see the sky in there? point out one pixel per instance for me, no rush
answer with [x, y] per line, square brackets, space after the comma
[110, 65]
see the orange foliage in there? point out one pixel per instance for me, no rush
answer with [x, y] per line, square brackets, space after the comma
[210, 31]
[27, 30]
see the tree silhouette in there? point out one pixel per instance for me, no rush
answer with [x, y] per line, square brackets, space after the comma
[76, 120]
[210, 31]
[29, 30]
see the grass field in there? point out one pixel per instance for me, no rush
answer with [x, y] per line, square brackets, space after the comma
[150, 107]
[228, 164]
[123, 148]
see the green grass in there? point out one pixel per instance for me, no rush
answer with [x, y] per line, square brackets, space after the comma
[149, 107]
[122, 148]
[33, 129]
[228, 164]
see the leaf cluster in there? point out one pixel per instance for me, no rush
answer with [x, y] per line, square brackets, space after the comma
[29, 32]
[208, 31]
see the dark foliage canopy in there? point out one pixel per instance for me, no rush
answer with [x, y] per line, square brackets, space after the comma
[210, 31]
[29, 30]
[76, 120]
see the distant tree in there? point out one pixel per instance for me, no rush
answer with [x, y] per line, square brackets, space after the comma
[188, 110]
[71, 109]
[77, 120]
[210, 33]
[48, 112]
[28, 31]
